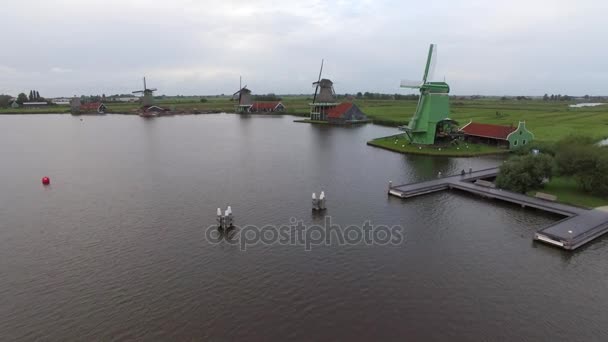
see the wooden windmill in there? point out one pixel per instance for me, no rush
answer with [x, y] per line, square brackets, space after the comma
[244, 97]
[324, 98]
[148, 95]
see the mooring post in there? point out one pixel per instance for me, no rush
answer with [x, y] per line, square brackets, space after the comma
[322, 201]
[219, 217]
[470, 170]
[228, 217]
[315, 202]
[390, 185]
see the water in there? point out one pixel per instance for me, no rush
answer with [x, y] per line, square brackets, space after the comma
[115, 247]
[586, 104]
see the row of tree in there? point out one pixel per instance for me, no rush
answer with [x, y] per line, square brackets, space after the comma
[574, 156]
[559, 97]
[267, 97]
[6, 100]
[35, 96]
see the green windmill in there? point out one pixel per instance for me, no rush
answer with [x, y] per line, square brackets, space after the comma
[430, 121]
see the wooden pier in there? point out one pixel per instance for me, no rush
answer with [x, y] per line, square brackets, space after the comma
[579, 226]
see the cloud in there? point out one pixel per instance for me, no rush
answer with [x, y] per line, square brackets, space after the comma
[201, 47]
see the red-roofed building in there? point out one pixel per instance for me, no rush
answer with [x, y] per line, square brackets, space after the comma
[345, 112]
[507, 136]
[266, 107]
[92, 107]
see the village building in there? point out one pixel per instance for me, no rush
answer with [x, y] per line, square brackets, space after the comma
[93, 107]
[34, 104]
[61, 100]
[345, 113]
[510, 137]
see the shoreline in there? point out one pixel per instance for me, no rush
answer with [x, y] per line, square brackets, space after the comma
[435, 153]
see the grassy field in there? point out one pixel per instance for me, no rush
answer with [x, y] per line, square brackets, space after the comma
[399, 143]
[567, 191]
[549, 121]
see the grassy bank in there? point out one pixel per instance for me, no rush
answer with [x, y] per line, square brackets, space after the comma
[399, 143]
[567, 191]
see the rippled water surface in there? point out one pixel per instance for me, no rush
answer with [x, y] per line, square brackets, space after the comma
[115, 247]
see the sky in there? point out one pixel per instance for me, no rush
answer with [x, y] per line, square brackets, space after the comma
[187, 47]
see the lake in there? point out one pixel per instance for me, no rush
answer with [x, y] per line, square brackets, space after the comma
[115, 248]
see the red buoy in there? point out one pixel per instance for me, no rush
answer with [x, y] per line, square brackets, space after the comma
[46, 180]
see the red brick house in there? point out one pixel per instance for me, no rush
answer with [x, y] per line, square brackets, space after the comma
[93, 107]
[506, 136]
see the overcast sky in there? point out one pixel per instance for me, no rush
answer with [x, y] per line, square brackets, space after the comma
[514, 47]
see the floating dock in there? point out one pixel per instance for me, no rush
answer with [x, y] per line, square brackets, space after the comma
[579, 227]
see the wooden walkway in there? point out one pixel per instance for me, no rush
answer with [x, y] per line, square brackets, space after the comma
[579, 227]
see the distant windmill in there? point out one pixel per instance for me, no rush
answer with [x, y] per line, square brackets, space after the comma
[148, 95]
[433, 105]
[324, 98]
[245, 100]
[324, 88]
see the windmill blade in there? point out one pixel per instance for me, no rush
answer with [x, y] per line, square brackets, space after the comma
[145, 83]
[153, 89]
[430, 63]
[411, 84]
[238, 91]
[138, 91]
[314, 98]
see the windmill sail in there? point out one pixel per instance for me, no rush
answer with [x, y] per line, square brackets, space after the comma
[318, 82]
[410, 84]
[429, 70]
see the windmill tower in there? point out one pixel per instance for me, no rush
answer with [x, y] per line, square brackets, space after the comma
[148, 95]
[324, 98]
[433, 106]
[245, 99]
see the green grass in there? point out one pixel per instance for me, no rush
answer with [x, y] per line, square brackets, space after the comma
[549, 121]
[399, 143]
[48, 110]
[567, 191]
